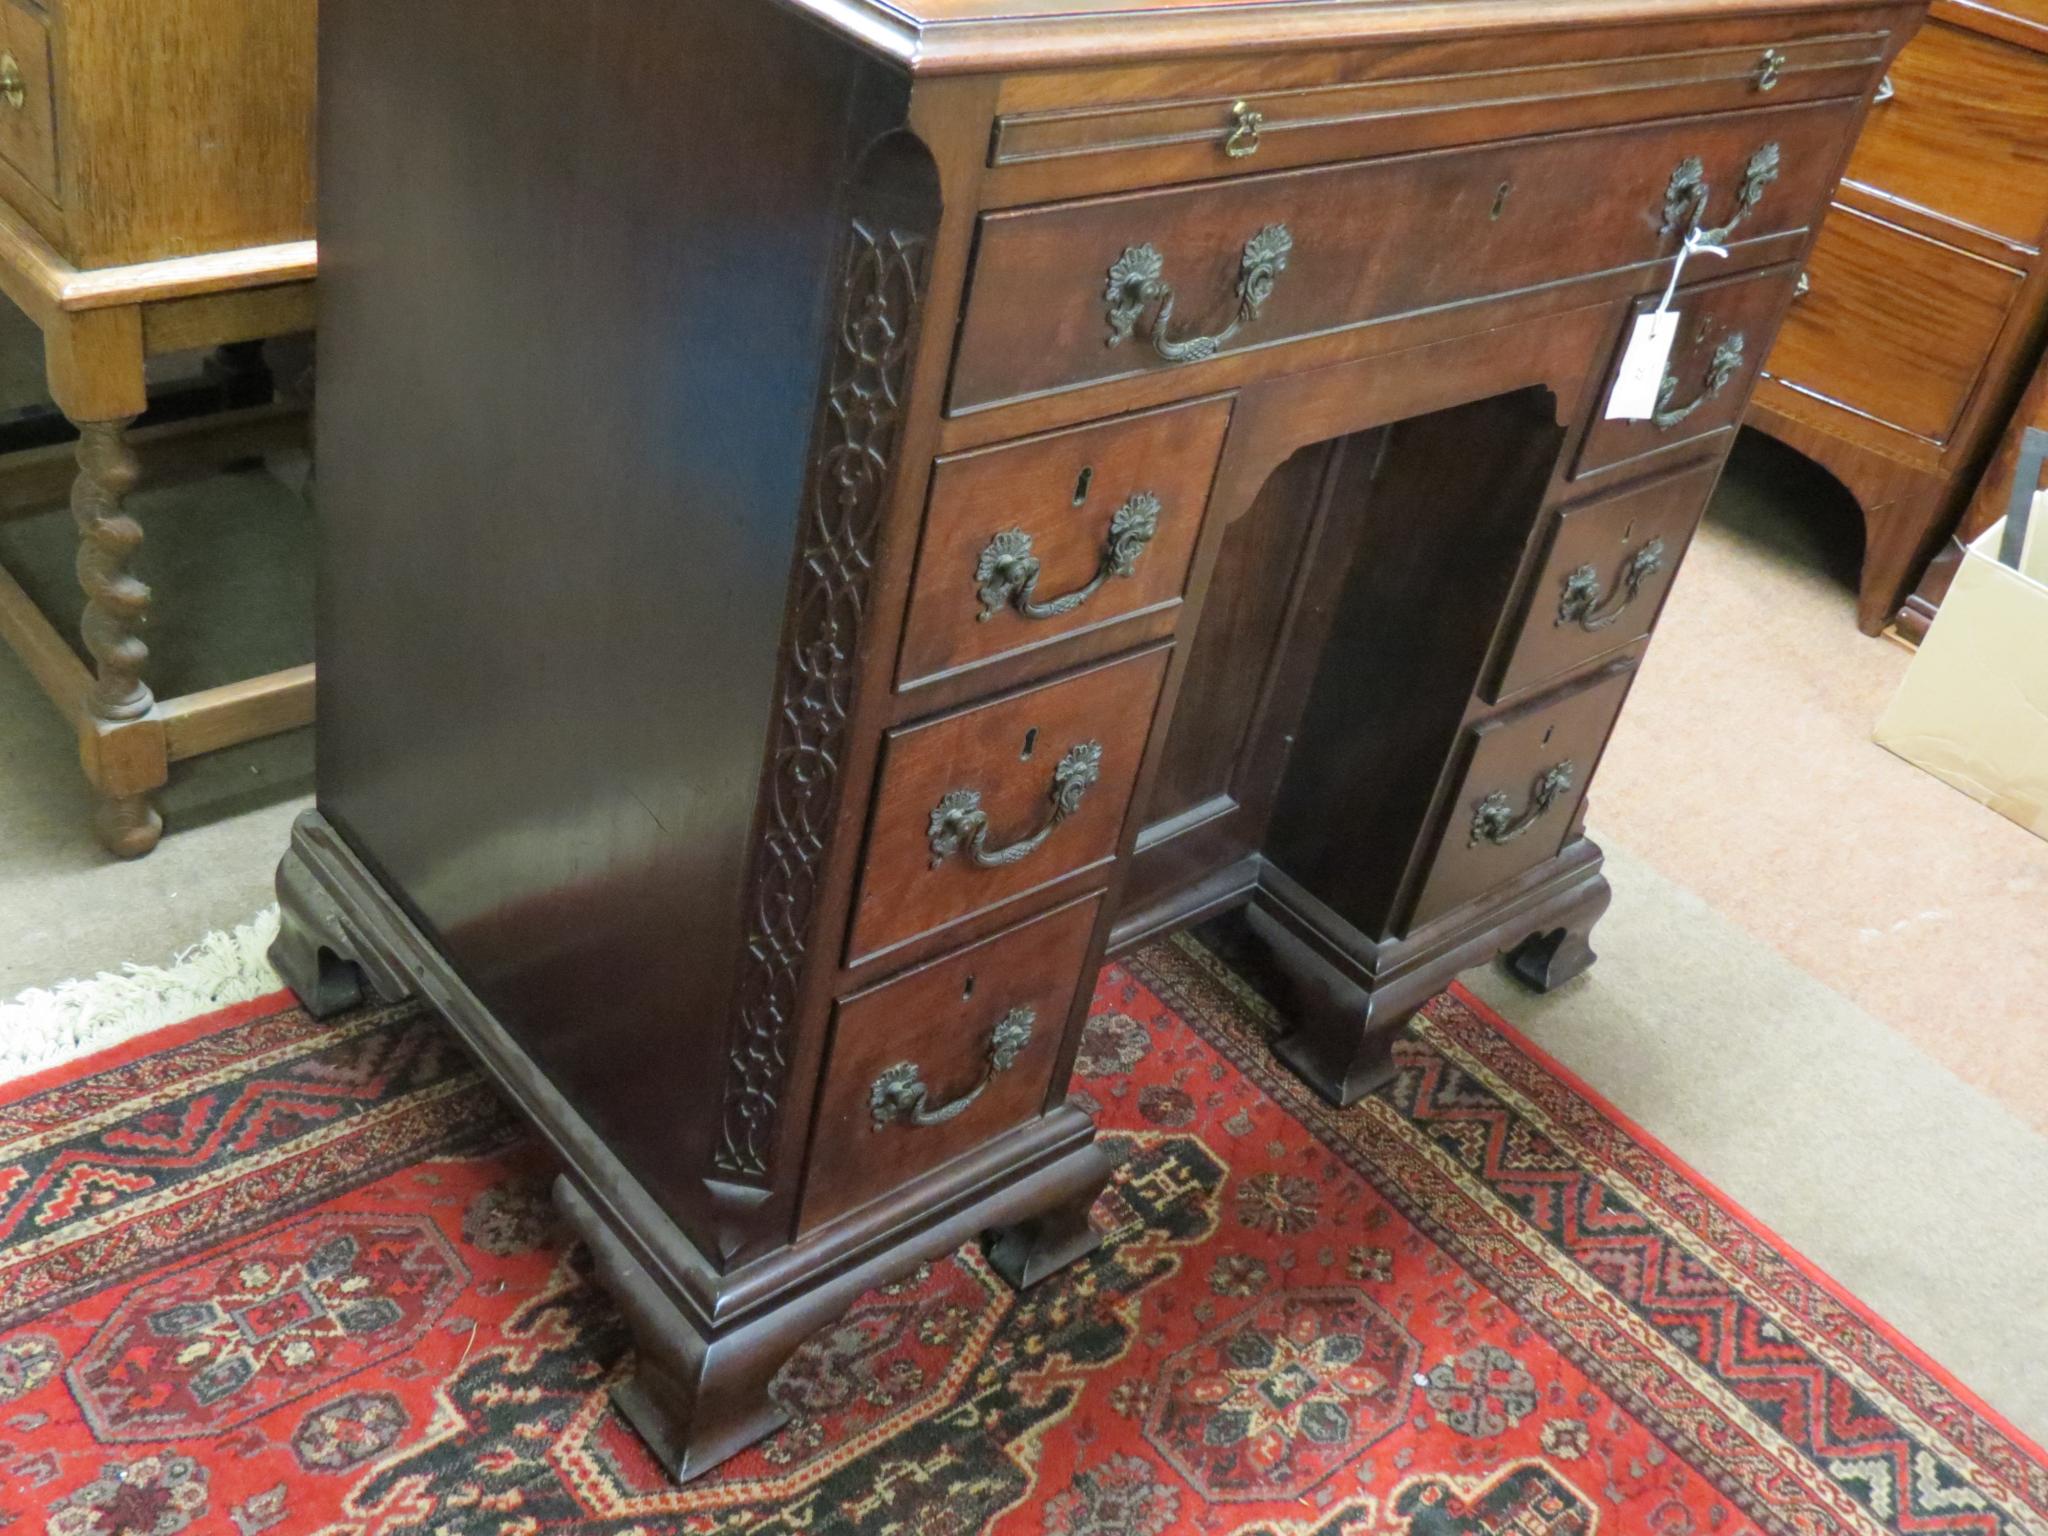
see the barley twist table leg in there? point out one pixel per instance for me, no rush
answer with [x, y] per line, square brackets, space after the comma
[116, 604]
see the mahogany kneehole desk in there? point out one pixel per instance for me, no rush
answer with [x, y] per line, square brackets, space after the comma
[846, 515]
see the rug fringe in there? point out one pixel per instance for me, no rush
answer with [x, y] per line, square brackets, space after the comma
[44, 1026]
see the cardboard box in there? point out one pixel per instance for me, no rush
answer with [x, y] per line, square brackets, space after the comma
[1973, 709]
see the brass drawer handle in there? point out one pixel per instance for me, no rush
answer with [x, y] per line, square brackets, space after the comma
[958, 821]
[1136, 281]
[13, 84]
[1007, 572]
[1884, 93]
[1769, 69]
[1581, 604]
[1494, 819]
[900, 1094]
[1686, 194]
[1727, 362]
[1245, 123]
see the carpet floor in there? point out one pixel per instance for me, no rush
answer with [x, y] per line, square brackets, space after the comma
[259, 1273]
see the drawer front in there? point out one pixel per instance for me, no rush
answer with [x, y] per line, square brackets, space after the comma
[931, 1064]
[1032, 541]
[1962, 132]
[1723, 329]
[1077, 293]
[1213, 122]
[1607, 566]
[1523, 777]
[981, 806]
[28, 104]
[1893, 325]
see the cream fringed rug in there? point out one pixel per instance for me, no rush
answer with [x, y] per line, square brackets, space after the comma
[47, 1025]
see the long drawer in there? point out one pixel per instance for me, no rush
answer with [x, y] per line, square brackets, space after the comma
[1962, 133]
[1893, 325]
[1077, 293]
[981, 806]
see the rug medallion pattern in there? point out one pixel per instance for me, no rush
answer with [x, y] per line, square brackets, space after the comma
[288, 1277]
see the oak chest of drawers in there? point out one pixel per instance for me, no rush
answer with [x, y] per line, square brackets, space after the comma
[851, 516]
[1925, 304]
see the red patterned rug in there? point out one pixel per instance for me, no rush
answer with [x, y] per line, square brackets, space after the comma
[261, 1274]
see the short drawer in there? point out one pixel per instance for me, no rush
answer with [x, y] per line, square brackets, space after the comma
[1725, 326]
[1032, 541]
[933, 1063]
[1893, 325]
[1077, 293]
[979, 807]
[1961, 132]
[28, 104]
[1520, 782]
[1606, 567]
[1243, 116]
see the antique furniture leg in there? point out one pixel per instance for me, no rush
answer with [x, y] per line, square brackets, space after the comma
[1026, 1252]
[1550, 957]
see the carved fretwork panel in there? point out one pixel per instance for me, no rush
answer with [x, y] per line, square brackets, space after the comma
[843, 506]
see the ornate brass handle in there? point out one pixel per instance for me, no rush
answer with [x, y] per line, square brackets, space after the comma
[1768, 69]
[1245, 123]
[1007, 572]
[1581, 604]
[1136, 281]
[900, 1092]
[1685, 196]
[958, 821]
[1494, 819]
[1727, 362]
[13, 85]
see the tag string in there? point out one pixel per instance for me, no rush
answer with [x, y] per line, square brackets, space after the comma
[1693, 245]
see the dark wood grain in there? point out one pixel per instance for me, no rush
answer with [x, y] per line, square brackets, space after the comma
[939, 1018]
[1036, 488]
[1368, 241]
[1608, 534]
[1007, 752]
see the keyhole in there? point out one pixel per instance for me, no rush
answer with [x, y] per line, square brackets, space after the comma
[1548, 734]
[1030, 745]
[1081, 485]
[1629, 531]
[1500, 199]
[967, 991]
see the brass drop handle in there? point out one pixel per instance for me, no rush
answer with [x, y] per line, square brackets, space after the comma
[900, 1094]
[1494, 819]
[1245, 123]
[1884, 93]
[1007, 572]
[959, 823]
[1803, 287]
[1726, 363]
[1137, 282]
[1686, 195]
[1581, 603]
[1768, 69]
[13, 84]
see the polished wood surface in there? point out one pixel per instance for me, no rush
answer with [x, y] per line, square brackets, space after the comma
[693, 685]
[1063, 493]
[1630, 541]
[1008, 754]
[1927, 295]
[940, 1020]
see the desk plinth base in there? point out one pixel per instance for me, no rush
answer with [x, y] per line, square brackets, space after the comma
[709, 1341]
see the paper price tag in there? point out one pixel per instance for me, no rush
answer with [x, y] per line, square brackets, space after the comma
[1641, 375]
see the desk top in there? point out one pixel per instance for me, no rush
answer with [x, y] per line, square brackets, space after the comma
[971, 36]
